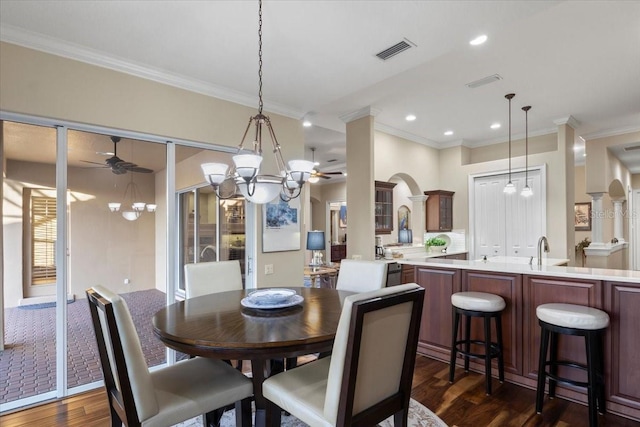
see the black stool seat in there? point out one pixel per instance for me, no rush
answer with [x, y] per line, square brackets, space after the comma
[571, 319]
[487, 306]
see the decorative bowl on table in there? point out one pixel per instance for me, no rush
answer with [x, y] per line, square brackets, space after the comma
[272, 298]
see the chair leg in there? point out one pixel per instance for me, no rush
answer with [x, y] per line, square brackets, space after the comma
[600, 374]
[467, 344]
[592, 386]
[553, 368]
[243, 413]
[454, 348]
[500, 348]
[487, 354]
[401, 418]
[544, 343]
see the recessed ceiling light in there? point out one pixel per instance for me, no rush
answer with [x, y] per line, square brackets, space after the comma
[495, 126]
[449, 132]
[478, 40]
[306, 124]
[410, 118]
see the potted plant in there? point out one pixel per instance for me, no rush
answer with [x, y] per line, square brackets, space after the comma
[580, 249]
[438, 243]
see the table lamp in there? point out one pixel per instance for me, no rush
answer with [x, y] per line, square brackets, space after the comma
[405, 236]
[315, 243]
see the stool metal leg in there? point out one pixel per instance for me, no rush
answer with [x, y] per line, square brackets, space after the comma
[467, 344]
[487, 353]
[500, 348]
[591, 379]
[553, 358]
[600, 373]
[544, 344]
[454, 347]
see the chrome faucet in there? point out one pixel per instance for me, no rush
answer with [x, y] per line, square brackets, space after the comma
[542, 240]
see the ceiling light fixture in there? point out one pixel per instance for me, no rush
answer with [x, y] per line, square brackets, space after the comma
[478, 40]
[244, 174]
[496, 126]
[509, 188]
[410, 118]
[137, 207]
[449, 133]
[526, 191]
[307, 123]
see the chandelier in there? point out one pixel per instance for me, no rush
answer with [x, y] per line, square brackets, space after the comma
[244, 175]
[136, 207]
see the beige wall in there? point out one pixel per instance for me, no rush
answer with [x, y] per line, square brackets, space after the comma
[600, 175]
[40, 84]
[635, 180]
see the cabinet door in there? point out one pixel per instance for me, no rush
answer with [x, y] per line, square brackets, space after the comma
[539, 290]
[436, 325]
[621, 301]
[446, 213]
[383, 209]
[509, 287]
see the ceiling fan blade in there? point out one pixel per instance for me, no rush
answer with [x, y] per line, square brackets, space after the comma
[138, 169]
[118, 171]
[324, 176]
[95, 163]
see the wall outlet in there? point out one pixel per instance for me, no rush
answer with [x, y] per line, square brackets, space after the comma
[268, 269]
[127, 281]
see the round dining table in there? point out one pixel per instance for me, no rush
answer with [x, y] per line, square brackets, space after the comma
[219, 326]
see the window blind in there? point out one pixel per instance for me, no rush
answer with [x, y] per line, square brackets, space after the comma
[43, 239]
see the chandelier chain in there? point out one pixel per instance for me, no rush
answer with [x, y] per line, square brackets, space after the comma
[260, 57]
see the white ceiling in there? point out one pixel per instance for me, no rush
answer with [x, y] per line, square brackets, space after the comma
[564, 58]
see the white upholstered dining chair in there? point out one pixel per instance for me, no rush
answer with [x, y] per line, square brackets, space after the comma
[368, 376]
[206, 278]
[165, 396]
[361, 276]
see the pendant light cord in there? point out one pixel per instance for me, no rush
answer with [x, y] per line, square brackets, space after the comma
[509, 96]
[260, 57]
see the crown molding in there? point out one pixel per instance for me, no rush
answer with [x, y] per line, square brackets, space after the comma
[610, 132]
[358, 114]
[569, 120]
[517, 136]
[36, 41]
[406, 135]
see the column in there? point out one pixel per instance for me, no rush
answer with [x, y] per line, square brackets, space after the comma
[597, 218]
[418, 217]
[617, 220]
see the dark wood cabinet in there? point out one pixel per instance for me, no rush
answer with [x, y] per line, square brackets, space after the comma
[338, 252]
[383, 209]
[439, 210]
[408, 274]
[509, 287]
[436, 324]
[457, 256]
[622, 302]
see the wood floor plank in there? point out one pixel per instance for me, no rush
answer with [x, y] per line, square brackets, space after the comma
[462, 404]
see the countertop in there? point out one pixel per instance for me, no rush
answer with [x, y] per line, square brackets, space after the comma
[629, 276]
[420, 256]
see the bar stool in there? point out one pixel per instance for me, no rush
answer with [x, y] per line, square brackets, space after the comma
[487, 306]
[571, 319]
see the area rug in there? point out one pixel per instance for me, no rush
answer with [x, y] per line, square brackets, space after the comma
[419, 416]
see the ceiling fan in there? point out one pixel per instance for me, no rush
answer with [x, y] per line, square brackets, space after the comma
[315, 172]
[117, 165]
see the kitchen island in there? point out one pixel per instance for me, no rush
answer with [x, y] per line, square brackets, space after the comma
[524, 287]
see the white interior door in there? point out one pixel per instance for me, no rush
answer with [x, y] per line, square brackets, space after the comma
[489, 216]
[524, 216]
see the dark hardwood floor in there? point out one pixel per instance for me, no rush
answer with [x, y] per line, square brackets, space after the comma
[461, 404]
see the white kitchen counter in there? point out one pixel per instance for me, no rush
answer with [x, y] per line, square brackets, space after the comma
[630, 276]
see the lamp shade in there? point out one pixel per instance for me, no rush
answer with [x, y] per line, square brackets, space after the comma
[405, 236]
[315, 240]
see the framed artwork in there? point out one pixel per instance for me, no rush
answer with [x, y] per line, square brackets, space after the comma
[582, 216]
[281, 226]
[342, 222]
[404, 215]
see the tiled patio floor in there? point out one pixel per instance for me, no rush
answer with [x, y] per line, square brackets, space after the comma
[28, 363]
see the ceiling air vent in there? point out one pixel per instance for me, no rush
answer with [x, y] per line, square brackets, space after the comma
[484, 81]
[395, 49]
[632, 148]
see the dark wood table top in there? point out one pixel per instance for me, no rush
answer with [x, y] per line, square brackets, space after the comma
[217, 325]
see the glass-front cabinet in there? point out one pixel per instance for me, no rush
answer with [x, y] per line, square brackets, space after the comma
[383, 209]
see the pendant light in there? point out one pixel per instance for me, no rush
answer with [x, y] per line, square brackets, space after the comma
[245, 175]
[526, 191]
[509, 188]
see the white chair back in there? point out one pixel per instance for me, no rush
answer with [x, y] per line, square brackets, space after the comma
[121, 353]
[361, 276]
[387, 340]
[206, 278]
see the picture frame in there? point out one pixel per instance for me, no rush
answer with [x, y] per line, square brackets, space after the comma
[582, 216]
[404, 218]
[281, 226]
[342, 221]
